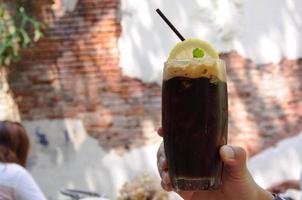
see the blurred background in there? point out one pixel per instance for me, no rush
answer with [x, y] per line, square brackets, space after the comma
[85, 81]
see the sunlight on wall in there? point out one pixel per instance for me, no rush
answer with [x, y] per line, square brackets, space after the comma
[274, 32]
[269, 90]
[268, 36]
[268, 49]
[76, 161]
[60, 7]
[8, 108]
[76, 134]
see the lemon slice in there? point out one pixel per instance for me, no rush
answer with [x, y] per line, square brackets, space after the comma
[184, 49]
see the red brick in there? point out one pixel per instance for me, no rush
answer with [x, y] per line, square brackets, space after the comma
[80, 52]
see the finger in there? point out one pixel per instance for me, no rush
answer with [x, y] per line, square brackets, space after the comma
[282, 189]
[273, 189]
[235, 160]
[270, 189]
[166, 178]
[166, 187]
[162, 163]
[161, 151]
[160, 132]
[185, 194]
[162, 166]
[277, 190]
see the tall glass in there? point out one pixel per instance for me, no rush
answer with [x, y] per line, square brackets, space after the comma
[195, 121]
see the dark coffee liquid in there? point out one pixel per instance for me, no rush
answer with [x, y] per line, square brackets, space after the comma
[194, 118]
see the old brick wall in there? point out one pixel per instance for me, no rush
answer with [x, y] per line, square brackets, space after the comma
[74, 72]
[265, 103]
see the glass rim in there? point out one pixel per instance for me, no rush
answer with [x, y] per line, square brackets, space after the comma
[207, 60]
[196, 61]
[194, 67]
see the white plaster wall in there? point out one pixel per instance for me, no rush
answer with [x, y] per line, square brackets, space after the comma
[72, 159]
[280, 162]
[8, 107]
[263, 30]
[61, 7]
[79, 162]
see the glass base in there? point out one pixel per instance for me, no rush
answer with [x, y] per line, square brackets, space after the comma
[181, 184]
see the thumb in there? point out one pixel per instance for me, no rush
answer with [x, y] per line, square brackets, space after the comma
[234, 159]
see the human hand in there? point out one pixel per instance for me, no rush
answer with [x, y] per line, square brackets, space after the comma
[280, 187]
[237, 183]
[283, 186]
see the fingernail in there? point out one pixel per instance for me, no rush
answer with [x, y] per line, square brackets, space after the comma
[228, 152]
[162, 163]
[166, 178]
[166, 187]
[161, 160]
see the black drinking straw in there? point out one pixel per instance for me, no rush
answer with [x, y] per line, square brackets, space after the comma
[170, 24]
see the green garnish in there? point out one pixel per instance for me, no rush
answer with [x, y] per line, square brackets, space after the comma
[198, 53]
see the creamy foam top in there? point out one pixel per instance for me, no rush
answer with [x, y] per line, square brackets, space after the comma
[195, 68]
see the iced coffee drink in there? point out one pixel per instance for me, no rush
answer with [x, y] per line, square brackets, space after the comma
[194, 115]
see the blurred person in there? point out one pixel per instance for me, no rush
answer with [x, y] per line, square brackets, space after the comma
[15, 182]
[144, 186]
[283, 186]
[237, 182]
